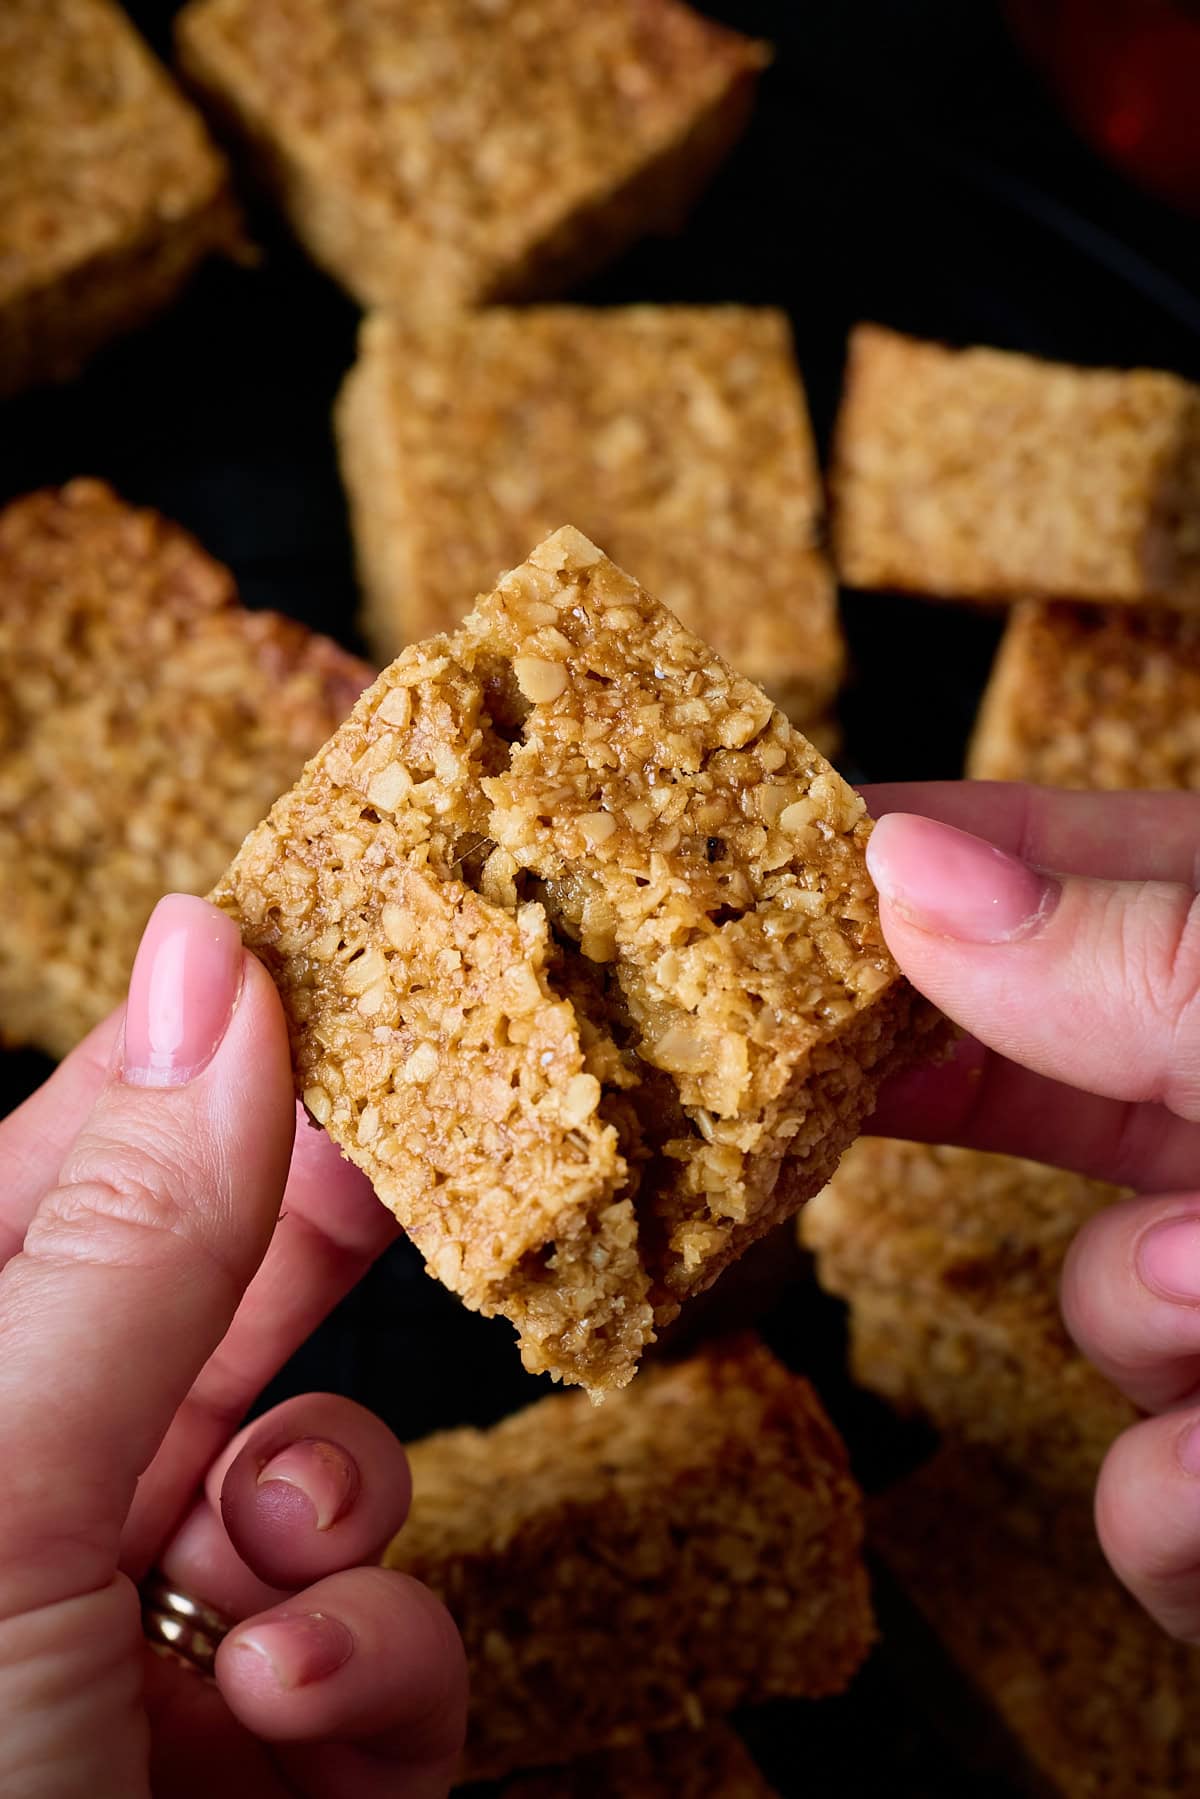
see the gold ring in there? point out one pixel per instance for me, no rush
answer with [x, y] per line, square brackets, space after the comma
[177, 1625]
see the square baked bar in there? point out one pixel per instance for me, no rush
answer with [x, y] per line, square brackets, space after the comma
[987, 475]
[691, 1546]
[1092, 697]
[677, 436]
[434, 154]
[145, 721]
[1102, 1702]
[580, 956]
[709, 1763]
[110, 191]
[950, 1259]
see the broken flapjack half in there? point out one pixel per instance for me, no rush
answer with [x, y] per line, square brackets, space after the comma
[580, 956]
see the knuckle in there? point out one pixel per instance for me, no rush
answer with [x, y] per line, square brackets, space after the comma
[126, 1208]
[1183, 949]
[1157, 951]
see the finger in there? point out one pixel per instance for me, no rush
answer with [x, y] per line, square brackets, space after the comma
[366, 1670]
[1121, 836]
[1131, 1297]
[981, 1100]
[1148, 1517]
[316, 1485]
[330, 1230]
[1096, 983]
[133, 1265]
[34, 1137]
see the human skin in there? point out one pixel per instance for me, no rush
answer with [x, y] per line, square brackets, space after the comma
[1062, 932]
[140, 1195]
[168, 1235]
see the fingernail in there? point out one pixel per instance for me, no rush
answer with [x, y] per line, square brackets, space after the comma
[951, 884]
[296, 1651]
[1168, 1260]
[322, 1472]
[184, 986]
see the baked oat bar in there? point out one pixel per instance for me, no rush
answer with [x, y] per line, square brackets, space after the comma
[677, 435]
[691, 1546]
[709, 1763]
[433, 154]
[580, 956]
[1093, 697]
[949, 1259]
[110, 191]
[982, 474]
[145, 721]
[1100, 1699]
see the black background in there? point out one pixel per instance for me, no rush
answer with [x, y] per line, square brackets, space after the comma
[904, 165]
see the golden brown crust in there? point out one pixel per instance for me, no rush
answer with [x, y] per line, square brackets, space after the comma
[950, 1260]
[145, 720]
[1092, 697]
[1101, 1699]
[677, 436]
[709, 1763]
[693, 1545]
[435, 153]
[110, 190]
[982, 474]
[578, 1129]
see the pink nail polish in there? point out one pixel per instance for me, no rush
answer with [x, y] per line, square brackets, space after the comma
[182, 992]
[296, 1650]
[1168, 1260]
[951, 884]
[325, 1476]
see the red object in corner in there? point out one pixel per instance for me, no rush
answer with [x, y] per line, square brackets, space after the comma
[1127, 73]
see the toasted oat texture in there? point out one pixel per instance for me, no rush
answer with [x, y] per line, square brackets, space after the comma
[1092, 696]
[950, 1261]
[982, 474]
[709, 1763]
[577, 945]
[432, 154]
[110, 191]
[677, 435]
[691, 1546]
[1103, 1702]
[145, 721]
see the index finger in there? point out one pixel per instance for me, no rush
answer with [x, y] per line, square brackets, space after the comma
[1141, 836]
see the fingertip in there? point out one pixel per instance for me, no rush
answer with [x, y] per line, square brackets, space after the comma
[1147, 1512]
[1117, 1299]
[1128, 1504]
[317, 1485]
[949, 884]
[365, 1655]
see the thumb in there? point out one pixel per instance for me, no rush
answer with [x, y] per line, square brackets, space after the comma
[133, 1264]
[1093, 983]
